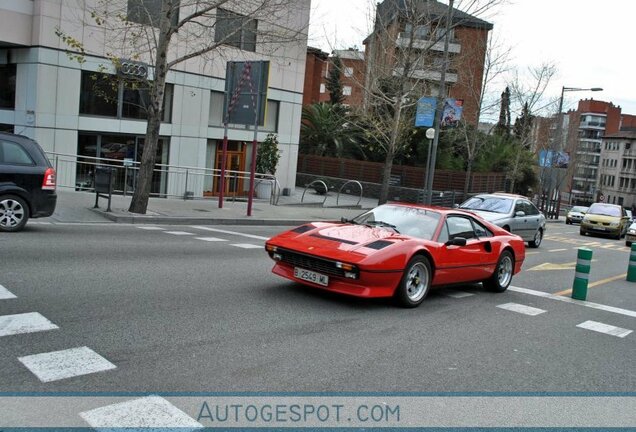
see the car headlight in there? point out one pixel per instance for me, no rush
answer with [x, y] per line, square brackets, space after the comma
[585, 220]
[631, 231]
[614, 224]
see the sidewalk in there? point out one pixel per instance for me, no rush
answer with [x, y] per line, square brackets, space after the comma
[77, 207]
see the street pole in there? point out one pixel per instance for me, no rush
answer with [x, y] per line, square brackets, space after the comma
[553, 199]
[430, 172]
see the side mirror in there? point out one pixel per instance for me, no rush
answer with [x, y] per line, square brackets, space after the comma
[457, 241]
[455, 205]
[520, 214]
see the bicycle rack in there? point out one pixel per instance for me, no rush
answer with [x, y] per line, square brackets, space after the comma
[346, 183]
[307, 187]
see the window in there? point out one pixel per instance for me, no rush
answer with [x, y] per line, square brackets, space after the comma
[13, 154]
[322, 88]
[7, 86]
[106, 95]
[480, 230]
[148, 12]
[236, 30]
[346, 90]
[348, 72]
[460, 227]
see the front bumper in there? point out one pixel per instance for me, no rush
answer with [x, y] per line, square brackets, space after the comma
[368, 284]
[600, 229]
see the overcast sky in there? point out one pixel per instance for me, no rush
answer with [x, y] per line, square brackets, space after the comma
[589, 41]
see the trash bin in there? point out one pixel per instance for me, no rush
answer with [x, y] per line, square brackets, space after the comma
[103, 184]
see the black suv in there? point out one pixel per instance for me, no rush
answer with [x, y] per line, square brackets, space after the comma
[27, 182]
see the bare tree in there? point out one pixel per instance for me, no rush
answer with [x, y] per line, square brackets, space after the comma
[496, 64]
[527, 94]
[403, 52]
[171, 34]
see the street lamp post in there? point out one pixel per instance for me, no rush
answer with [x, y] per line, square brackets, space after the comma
[554, 198]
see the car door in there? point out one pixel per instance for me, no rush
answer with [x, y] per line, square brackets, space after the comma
[533, 219]
[519, 224]
[18, 167]
[457, 264]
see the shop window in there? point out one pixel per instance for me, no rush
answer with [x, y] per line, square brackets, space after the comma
[7, 86]
[236, 30]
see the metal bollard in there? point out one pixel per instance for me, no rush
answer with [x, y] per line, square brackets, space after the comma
[582, 273]
[631, 269]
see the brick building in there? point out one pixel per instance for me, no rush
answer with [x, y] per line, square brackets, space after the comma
[396, 33]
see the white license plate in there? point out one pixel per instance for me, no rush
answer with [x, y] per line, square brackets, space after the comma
[599, 228]
[311, 276]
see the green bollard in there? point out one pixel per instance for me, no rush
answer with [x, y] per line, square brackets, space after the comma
[582, 273]
[631, 269]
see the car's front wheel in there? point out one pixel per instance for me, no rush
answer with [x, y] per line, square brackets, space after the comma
[538, 237]
[415, 283]
[501, 278]
[14, 213]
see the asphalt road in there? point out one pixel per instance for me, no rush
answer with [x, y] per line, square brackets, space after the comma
[173, 312]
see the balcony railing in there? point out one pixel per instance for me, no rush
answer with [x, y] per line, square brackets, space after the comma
[427, 44]
[428, 74]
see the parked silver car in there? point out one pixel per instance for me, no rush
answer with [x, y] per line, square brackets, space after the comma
[514, 213]
[630, 235]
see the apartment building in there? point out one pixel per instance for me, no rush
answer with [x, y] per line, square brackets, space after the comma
[48, 96]
[617, 179]
[418, 27]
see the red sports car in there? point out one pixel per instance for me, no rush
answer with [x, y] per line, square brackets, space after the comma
[398, 250]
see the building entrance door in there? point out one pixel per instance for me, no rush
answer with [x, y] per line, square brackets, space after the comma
[234, 166]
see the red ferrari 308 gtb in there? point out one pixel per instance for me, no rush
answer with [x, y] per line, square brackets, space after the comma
[398, 250]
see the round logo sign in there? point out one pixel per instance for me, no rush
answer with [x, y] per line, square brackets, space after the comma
[601, 197]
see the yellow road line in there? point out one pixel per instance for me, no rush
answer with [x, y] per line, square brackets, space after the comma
[594, 284]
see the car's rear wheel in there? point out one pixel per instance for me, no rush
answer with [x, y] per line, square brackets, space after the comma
[501, 278]
[415, 283]
[538, 237]
[14, 213]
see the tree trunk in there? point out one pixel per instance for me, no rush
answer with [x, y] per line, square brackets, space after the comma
[386, 176]
[139, 202]
[469, 174]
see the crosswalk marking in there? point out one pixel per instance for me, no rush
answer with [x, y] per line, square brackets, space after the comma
[147, 412]
[57, 365]
[522, 309]
[247, 246]
[605, 328]
[5, 294]
[211, 239]
[458, 294]
[151, 228]
[178, 233]
[29, 322]
[230, 232]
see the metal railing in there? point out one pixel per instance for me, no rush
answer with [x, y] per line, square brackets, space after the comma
[174, 181]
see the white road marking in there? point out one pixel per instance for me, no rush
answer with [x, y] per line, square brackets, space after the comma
[151, 228]
[557, 250]
[151, 411]
[178, 233]
[457, 294]
[231, 232]
[30, 322]
[522, 309]
[5, 294]
[57, 365]
[605, 328]
[592, 305]
[211, 239]
[247, 246]
[40, 223]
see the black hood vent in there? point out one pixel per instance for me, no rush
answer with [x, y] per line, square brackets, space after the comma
[303, 229]
[379, 244]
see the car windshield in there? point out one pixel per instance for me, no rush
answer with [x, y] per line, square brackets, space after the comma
[605, 210]
[411, 221]
[487, 203]
[579, 209]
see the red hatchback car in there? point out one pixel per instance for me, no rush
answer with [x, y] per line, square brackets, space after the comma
[400, 251]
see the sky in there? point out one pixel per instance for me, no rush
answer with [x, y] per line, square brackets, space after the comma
[590, 42]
